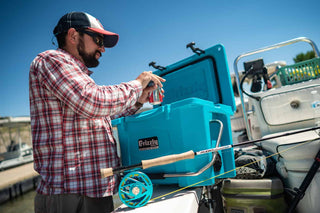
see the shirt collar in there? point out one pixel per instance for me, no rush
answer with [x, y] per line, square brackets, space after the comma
[78, 62]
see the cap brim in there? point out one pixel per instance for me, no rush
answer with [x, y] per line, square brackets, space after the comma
[110, 38]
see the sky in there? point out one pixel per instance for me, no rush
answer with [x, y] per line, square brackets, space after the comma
[150, 30]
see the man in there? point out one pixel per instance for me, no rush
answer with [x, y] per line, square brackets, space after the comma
[71, 118]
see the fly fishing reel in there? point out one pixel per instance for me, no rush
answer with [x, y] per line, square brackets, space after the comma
[135, 189]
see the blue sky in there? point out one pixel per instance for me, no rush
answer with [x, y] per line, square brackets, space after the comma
[150, 30]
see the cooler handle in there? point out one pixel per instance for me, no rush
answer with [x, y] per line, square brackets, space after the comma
[206, 166]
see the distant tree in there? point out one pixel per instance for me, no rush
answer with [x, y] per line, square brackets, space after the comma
[304, 56]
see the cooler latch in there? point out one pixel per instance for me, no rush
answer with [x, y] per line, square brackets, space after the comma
[195, 49]
[153, 64]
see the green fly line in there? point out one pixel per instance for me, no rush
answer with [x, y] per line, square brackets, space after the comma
[269, 156]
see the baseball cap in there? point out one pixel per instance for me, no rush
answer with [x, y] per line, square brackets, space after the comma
[80, 20]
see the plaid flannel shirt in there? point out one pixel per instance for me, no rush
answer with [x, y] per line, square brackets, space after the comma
[71, 125]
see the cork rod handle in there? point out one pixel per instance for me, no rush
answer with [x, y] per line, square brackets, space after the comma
[150, 163]
[167, 159]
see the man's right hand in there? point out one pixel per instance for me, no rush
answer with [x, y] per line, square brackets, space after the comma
[147, 76]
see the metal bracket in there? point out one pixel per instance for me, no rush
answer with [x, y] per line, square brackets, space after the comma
[195, 50]
[153, 64]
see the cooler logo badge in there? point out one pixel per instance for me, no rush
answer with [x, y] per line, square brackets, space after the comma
[148, 143]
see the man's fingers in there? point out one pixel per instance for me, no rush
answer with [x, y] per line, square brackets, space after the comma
[157, 80]
[147, 77]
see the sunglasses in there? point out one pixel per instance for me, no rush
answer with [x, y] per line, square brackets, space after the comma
[97, 38]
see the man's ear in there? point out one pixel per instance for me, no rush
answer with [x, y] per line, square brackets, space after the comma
[72, 36]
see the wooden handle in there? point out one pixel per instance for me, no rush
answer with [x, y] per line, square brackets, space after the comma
[167, 159]
[106, 172]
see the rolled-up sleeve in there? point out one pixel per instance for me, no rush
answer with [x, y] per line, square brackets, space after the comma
[75, 88]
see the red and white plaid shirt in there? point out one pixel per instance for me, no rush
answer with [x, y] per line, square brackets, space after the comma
[71, 125]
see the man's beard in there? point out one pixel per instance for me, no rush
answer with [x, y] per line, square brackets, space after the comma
[89, 59]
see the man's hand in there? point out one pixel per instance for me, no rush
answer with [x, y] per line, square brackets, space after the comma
[145, 95]
[147, 76]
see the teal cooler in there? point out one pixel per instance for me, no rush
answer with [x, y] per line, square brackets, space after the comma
[198, 92]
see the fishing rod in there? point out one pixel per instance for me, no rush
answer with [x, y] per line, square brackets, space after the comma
[106, 172]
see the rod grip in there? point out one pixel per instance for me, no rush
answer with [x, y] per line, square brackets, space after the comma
[167, 159]
[106, 172]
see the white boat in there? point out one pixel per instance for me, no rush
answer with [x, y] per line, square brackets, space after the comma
[290, 105]
[19, 152]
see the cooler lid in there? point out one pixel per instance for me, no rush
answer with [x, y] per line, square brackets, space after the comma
[205, 76]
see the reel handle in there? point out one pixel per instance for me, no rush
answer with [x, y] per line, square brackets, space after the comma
[167, 159]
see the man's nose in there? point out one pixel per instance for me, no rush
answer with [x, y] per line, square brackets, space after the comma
[102, 49]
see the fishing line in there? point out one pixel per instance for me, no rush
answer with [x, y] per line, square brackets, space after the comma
[277, 153]
[144, 164]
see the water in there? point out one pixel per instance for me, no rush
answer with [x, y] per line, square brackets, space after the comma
[20, 204]
[24, 203]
